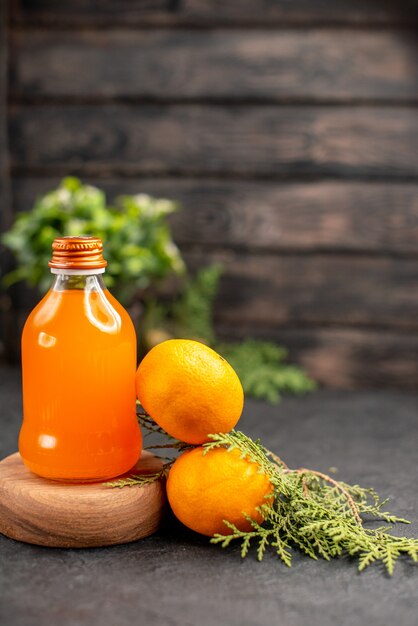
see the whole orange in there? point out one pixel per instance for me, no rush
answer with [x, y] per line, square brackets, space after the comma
[189, 390]
[204, 490]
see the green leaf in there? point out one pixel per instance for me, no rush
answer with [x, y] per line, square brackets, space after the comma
[193, 311]
[263, 374]
[137, 240]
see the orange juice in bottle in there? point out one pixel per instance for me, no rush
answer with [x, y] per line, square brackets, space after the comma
[78, 364]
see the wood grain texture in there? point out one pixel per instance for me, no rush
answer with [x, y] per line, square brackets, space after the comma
[252, 141]
[300, 11]
[8, 329]
[5, 189]
[345, 358]
[95, 12]
[47, 513]
[287, 128]
[318, 216]
[214, 12]
[315, 289]
[320, 65]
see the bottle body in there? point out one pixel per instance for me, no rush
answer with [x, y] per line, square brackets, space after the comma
[78, 370]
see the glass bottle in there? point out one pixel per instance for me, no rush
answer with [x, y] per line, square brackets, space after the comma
[78, 367]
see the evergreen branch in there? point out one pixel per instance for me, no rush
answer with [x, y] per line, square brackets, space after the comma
[314, 513]
[139, 480]
[262, 369]
[277, 460]
[148, 424]
[309, 510]
[333, 482]
[176, 445]
[151, 428]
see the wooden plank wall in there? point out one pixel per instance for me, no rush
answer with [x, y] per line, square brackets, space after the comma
[5, 195]
[7, 320]
[287, 128]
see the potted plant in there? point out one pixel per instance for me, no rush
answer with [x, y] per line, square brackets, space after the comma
[141, 254]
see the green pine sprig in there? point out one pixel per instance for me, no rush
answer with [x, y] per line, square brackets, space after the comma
[149, 427]
[139, 480]
[263, 370]
[313, 512]
[309, 511]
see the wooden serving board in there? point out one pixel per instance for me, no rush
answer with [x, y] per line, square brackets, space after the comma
[48, 513]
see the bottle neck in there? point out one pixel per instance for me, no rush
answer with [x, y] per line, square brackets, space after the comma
[89, 282]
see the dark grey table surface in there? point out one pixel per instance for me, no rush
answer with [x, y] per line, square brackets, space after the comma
[178, 578]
